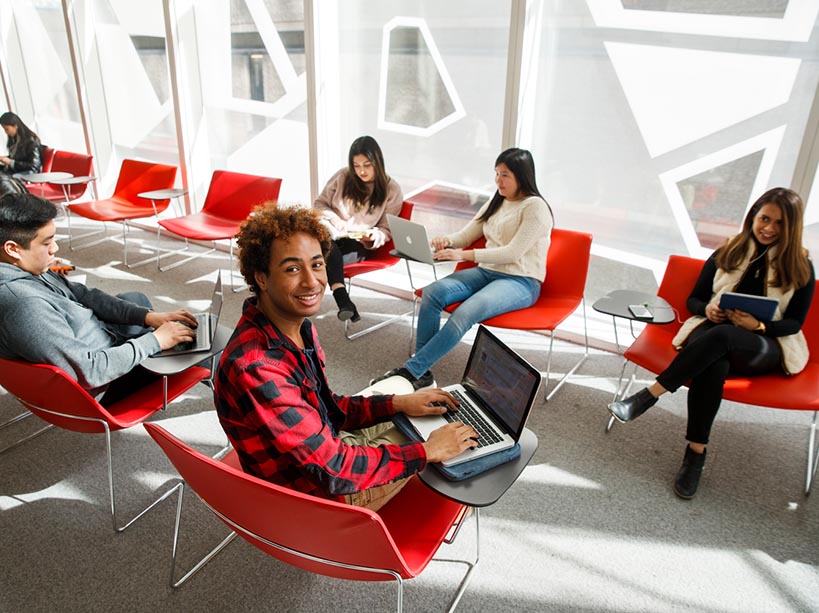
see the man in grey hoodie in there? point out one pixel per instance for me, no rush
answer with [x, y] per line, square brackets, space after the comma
[45, 318]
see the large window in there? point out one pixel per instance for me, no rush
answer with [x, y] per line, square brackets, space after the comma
[38, 73]
[242, 72]
[656, 124]
[425, 79]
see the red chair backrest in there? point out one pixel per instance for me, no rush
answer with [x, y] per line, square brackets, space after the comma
[567, 263]
[233, 195]
[308, 524]
[680, 276]
[46, 157]
[811, 327]
[136, 177]
[48, 387]
[78, 164]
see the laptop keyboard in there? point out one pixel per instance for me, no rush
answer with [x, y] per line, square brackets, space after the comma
[467, 414]
[202, 340]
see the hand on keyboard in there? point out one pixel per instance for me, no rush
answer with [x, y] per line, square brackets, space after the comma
[450, 440]
[172, 333]
[425, 402]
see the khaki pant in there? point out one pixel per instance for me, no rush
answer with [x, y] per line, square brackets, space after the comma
[381, 434]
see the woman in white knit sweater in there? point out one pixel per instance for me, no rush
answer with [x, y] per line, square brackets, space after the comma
[517, 224]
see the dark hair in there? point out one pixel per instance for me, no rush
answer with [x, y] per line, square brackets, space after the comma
[24, 133]
[268, 223]
[354, 188]
[521, 164]
[791, 266]
[22, 216]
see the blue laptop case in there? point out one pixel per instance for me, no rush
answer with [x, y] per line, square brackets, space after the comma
[464, 470]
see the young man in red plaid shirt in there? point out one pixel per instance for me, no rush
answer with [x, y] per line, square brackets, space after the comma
[272, 395]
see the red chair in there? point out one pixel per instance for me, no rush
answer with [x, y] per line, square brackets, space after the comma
[317, 535]
[135, 177]
[232, 196]
[653, 351]
[79, 166]
[52, 395]
[567, 266]
[46, 157]
[379, 260]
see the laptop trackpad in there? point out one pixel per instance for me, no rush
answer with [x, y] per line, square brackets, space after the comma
[425, 425]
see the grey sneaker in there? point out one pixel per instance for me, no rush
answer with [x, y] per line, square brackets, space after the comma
[424, 381]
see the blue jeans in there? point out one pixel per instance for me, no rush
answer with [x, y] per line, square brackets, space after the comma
[485, 293]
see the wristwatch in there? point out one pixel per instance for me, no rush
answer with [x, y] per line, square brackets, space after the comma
[760, 327]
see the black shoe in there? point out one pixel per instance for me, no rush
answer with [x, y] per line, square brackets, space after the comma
[633, 406]
[424, 381]
[346, 308]
[348, 312]
[685, 485]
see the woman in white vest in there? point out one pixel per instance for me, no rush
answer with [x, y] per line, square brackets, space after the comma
[765, 259]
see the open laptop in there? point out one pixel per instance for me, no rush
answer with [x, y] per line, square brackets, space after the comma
[499, 387]
[410, 239]
[207, 326]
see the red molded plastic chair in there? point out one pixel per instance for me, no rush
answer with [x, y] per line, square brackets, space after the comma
[52, 395]
[46, 157]
[135, 177]
[231, 198]
[653, 351]
[567, 266]
[317, 535]
[379, 260]
[79, 165]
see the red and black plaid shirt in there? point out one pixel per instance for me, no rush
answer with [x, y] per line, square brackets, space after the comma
[268, 405]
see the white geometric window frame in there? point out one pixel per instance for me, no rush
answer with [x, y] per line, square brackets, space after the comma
[769, 142]
[795, 25]
[455, 115]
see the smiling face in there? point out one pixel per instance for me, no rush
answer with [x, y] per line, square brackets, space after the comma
[364, 168]
[767, 224]
[507, 183]
[294, 286]
[40, 252]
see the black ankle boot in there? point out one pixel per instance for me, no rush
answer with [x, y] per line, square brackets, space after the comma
[685, 485]
[633, 406]
[346, 308]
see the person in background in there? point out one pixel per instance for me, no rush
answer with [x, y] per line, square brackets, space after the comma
[517, 224]
[272, 395]
[354, 206]
[24, 154]
[765, 259]
[96, 338]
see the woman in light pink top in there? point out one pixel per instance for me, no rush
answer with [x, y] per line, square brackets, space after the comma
[354, 206]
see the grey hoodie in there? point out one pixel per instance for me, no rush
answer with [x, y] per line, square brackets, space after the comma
[47, 319]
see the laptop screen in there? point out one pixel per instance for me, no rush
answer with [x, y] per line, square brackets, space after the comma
[503, 381]
[216, 304]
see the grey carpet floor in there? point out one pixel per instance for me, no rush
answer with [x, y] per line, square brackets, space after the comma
[592, 525]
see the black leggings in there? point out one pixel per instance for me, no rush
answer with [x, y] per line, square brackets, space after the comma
[714, 351]
[343, 251]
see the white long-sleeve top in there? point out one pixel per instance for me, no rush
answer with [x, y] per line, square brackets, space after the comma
[517, 237]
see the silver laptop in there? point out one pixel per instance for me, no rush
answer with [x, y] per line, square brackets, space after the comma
[497, 393]
[410, 239]
[207, 326]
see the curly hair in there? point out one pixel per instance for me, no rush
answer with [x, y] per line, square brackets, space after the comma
[267, 223]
